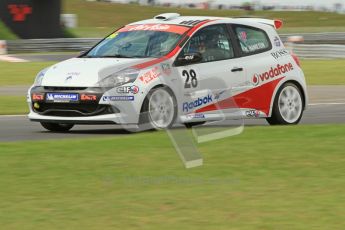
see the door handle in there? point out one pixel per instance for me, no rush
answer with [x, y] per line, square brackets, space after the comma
[237, 69]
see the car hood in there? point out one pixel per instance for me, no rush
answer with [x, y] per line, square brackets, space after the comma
[85, 72]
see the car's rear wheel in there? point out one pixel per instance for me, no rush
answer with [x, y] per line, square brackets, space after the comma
[55, 127]
[159, 109]
[288, 106]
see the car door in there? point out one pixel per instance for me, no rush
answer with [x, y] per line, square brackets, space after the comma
[254, 46]
[213, 79]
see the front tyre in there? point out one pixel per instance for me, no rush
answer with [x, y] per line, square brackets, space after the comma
[287, 106]
[55, 127]
[159, 109]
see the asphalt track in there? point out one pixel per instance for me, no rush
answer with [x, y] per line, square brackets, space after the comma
[326, 106]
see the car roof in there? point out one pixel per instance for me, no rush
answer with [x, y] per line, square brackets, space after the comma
[176, 19]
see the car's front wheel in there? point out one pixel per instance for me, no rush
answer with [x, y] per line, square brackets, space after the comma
[288, 106]
[55, 127]
[159, 109]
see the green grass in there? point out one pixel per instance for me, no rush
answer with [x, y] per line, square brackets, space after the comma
[324, 72]
[23, 73]
[5, 33]
[13, 105]
[96, 19]
[265, 178]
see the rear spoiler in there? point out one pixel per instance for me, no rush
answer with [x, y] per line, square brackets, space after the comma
[276, 23]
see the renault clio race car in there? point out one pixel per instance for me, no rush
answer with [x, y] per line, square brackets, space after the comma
[174, 69]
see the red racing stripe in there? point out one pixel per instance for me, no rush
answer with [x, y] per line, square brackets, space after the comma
[259, 98]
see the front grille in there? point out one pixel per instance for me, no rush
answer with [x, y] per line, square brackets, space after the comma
[74, 110]
[58, 88]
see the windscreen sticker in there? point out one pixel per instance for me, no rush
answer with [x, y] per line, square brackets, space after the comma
[114, 35]
[156, 27]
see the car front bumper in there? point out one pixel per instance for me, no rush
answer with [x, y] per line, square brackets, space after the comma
[95, 111]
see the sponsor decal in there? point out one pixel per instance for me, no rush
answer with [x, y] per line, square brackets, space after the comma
[272, 73]
[196, 116]
[37, 97]
[114, 35]
[156, 27]
[118, 98]
[88, 97]
[62, 97]
[19, 12]
[73, 73]
[166, 68]
[128, 89]
[280, 53]
[69, 78]
[277, 41]
[150, 75]
[254, 47]
[252, 113]
[70, 75]
[188, 106]
[150, 27]
[256, 80]
[242, 35]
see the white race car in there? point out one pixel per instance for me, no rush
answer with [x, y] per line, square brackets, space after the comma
[174, 69]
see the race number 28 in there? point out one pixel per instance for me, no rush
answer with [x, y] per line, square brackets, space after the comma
[191, 79]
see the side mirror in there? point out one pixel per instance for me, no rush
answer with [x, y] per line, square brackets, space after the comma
[189, 58]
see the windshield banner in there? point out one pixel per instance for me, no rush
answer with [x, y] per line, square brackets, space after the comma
[156, 27]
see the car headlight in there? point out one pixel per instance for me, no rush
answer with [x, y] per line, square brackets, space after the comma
[120, 78]
[39, 77]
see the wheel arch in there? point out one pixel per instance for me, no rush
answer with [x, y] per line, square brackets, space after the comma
[300, 87]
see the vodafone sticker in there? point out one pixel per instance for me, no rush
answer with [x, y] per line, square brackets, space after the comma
[156, 27]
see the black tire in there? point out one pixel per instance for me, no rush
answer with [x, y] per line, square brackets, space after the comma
[277, 118]
[55, 127]
[145, 120]
[191, 124]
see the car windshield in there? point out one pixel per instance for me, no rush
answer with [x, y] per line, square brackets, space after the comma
[141, 41]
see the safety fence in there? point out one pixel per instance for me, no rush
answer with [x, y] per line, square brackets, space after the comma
[318, 51]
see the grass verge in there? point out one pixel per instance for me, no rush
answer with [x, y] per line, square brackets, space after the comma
[5, 33]
[10, 105]
[22, 73]
[324, 72]
[107, 17]
[265, 178]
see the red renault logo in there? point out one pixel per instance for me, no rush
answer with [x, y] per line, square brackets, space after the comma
[19, 12]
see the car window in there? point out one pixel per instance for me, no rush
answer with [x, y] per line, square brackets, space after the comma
[252, 40]
[212, 42]
[139, 42]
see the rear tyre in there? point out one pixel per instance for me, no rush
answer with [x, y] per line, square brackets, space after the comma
[159, 109]
[288, 106]
[55, 127]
